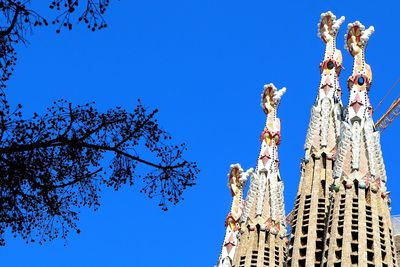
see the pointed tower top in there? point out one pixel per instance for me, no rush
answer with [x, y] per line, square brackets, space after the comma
[236, 181]
[270, 99]
[324, 122]
[359, 156]
[356, 40]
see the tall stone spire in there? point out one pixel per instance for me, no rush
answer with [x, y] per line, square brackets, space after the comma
[308, 216]
[325, 114]
[358, 131]
[256, 228]
[263, 240]
[359, 231]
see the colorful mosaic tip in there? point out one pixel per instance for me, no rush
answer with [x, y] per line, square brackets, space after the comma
[237, 172]
[328, 26]
[271, 97]
[357, 37]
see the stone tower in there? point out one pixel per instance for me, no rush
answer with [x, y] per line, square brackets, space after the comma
[359, 230]
[256, 229]
[308, 216]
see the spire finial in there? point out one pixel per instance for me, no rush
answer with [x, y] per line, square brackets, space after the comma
[357, 37]
[328, 26]
[324, 122]
[271, 97]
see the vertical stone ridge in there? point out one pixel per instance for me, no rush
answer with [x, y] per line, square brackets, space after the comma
[309, 214]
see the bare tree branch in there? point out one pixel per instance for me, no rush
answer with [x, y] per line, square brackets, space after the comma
[13, 23]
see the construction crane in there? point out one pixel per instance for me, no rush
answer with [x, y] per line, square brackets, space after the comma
[391, 114]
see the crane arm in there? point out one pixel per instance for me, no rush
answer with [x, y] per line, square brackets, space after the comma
[391, 114]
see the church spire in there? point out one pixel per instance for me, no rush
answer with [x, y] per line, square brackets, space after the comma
[359, 154]
[236, 181]
[359, 231]
[268, 160]
[258, 223]
[325, 114]
[308, 216]
[262, 241]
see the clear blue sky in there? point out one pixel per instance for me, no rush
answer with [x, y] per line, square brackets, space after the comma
[203, 64]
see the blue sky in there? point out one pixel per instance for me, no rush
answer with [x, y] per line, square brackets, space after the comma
[203, 64]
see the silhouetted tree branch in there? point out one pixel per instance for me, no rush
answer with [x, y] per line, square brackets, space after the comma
[54, 164]
[21, 20]
[13, 23]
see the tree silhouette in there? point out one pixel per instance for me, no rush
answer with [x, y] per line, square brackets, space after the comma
[51, 165]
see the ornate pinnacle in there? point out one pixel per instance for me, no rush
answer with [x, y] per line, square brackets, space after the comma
[359, 82]
[357, 37]
[271, 97]
[324, 123]
[359, 154]
[236, 180]
[270, 137]
[328, 26]
[356, 40]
